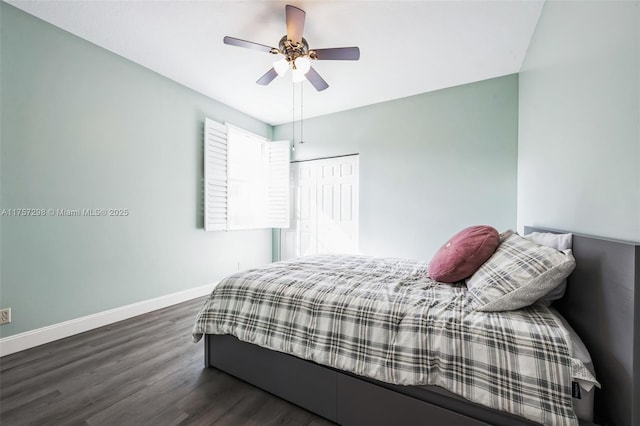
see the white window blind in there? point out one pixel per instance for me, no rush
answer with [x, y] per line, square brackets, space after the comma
[278, 189]
[247, 179]
[216, 186]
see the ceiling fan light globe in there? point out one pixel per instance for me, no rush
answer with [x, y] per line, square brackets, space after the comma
[303, 64]
[281, 66]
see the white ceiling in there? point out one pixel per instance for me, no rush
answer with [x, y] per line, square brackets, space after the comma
[407, 47]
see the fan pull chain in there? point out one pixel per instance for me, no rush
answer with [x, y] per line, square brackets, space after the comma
[293, 117]
[301, 112]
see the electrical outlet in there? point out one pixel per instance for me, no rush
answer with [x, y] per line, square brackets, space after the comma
[5, 316]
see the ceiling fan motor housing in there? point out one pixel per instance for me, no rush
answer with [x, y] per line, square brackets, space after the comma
[292, 50]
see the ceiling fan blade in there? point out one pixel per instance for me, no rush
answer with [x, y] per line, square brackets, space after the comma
[249, 45]
[267, 77]
[315, 80]
[338, 54]
[295, 23]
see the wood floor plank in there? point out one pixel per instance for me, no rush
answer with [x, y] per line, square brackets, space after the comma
[141, 371]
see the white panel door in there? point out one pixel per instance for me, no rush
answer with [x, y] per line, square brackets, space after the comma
[307, 212]
[324, 209]
[289, 237]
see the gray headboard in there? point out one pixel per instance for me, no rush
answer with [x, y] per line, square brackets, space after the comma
[602, 305]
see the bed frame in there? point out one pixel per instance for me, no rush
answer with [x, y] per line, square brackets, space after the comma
[600, 303]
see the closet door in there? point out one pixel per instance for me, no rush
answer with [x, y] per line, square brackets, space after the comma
[289, 237]
[337, 201]
[307, 212]
[324, 208]
[300, 238]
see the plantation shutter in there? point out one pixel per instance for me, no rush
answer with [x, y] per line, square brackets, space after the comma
[256, 193]
[278, 191]
[216, 183]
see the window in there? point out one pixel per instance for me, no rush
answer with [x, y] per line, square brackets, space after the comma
[246, 179]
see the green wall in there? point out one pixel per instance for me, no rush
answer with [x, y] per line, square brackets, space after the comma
[430, 164]
[85, 128]
[579, 120]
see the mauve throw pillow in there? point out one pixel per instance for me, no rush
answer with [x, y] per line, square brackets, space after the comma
[464, 253]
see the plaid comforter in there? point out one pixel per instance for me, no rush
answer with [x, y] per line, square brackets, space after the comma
[386, 319]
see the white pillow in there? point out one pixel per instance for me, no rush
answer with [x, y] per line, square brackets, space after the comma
[559, 242]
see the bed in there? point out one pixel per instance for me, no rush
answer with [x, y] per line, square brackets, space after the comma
[346, 386]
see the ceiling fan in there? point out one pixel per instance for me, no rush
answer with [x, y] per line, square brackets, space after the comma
[296, 52]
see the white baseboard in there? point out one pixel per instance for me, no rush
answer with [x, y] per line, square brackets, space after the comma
[40, 336]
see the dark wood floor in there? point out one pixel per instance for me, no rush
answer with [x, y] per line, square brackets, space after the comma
[142, 371]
